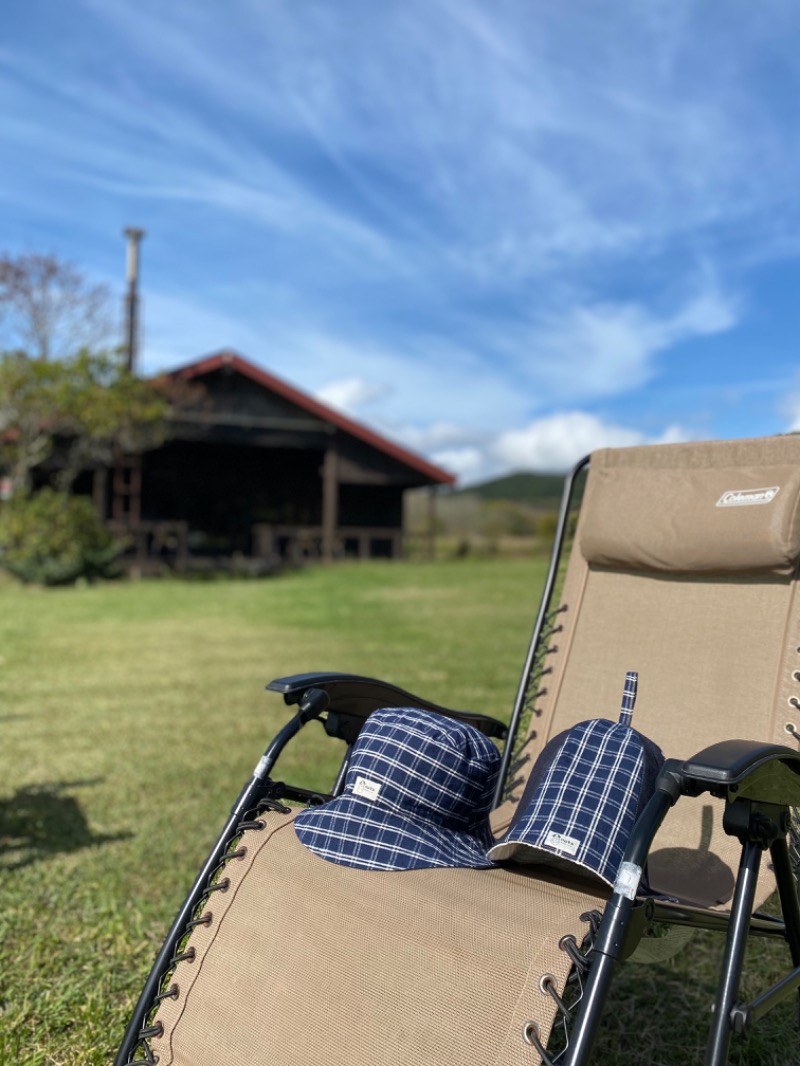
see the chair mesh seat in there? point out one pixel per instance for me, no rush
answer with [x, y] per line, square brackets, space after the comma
[303, 957]
[684, 568]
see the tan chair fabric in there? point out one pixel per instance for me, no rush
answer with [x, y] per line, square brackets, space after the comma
[307, 961]
[709, 653]
[716, 654]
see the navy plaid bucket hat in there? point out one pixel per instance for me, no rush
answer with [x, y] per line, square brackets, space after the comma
[417, 794]
[584, 795]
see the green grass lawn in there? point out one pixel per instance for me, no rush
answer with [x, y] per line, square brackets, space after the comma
[131, 714]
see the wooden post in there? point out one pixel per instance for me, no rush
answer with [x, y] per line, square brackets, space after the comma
[126, 503]
[330, 502]
[99, 488]
[431, 523]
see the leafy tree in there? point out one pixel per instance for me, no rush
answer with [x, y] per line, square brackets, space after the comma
[26, 416]
[102, 408]
[64, 407]
[72, 414]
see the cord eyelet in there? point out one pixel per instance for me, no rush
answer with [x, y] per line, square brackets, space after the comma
[532, 1036]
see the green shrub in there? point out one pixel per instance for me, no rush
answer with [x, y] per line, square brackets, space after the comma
[52, 538]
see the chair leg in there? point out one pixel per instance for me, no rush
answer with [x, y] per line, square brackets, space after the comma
[721, 1028]
[787, 892]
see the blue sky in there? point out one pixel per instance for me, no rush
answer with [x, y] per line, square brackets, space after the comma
[502, 233]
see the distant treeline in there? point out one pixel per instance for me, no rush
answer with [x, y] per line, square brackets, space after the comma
[528, 488]
[515, 513]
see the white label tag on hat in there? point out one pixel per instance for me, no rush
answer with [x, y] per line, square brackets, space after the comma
[569, 845]
[368, 789]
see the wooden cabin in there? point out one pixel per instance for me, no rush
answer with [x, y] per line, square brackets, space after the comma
[255, 471]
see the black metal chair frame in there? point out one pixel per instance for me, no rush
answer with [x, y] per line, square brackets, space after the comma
[759, 782]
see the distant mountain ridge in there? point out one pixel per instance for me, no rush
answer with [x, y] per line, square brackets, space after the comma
[522, 487]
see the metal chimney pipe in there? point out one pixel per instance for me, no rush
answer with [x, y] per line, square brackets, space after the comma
[134, 236]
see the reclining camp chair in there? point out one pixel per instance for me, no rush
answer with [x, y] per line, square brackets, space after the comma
[683, 567]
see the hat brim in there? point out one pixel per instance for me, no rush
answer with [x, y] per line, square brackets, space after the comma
[354, 832]
[525, 854]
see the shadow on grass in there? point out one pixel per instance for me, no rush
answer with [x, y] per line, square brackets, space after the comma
[40, 821]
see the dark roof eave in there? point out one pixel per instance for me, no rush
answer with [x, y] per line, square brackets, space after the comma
[220, 360]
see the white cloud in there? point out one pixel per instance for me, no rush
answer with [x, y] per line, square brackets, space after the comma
[558, 441]
[468, 464]
[351, 394]
[790, 410]
[551, 444]
[453, 403]
[439, 436]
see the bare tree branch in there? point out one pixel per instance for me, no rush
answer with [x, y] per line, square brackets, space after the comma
[49, 309]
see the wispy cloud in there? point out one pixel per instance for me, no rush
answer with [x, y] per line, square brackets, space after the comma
[525, 143]
[435, 215]
[591, 350]
[397, 386]
[582, 354]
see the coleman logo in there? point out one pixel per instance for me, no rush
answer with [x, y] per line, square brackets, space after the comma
[748, 497]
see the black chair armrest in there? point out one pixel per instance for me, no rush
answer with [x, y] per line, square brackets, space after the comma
[744, 768]
[351, 696]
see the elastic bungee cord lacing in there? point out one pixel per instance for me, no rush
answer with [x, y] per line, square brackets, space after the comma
[202, 917]
[533, 691]
[573, 992]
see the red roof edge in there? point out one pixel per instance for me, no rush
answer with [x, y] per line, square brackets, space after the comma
[222, 359]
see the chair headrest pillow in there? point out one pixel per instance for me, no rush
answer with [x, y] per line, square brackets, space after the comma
[714, 507]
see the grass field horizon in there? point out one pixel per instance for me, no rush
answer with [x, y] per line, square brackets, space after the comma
[131, 713]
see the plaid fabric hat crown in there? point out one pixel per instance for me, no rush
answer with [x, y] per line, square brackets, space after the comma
[417, 794]
[584, 795]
